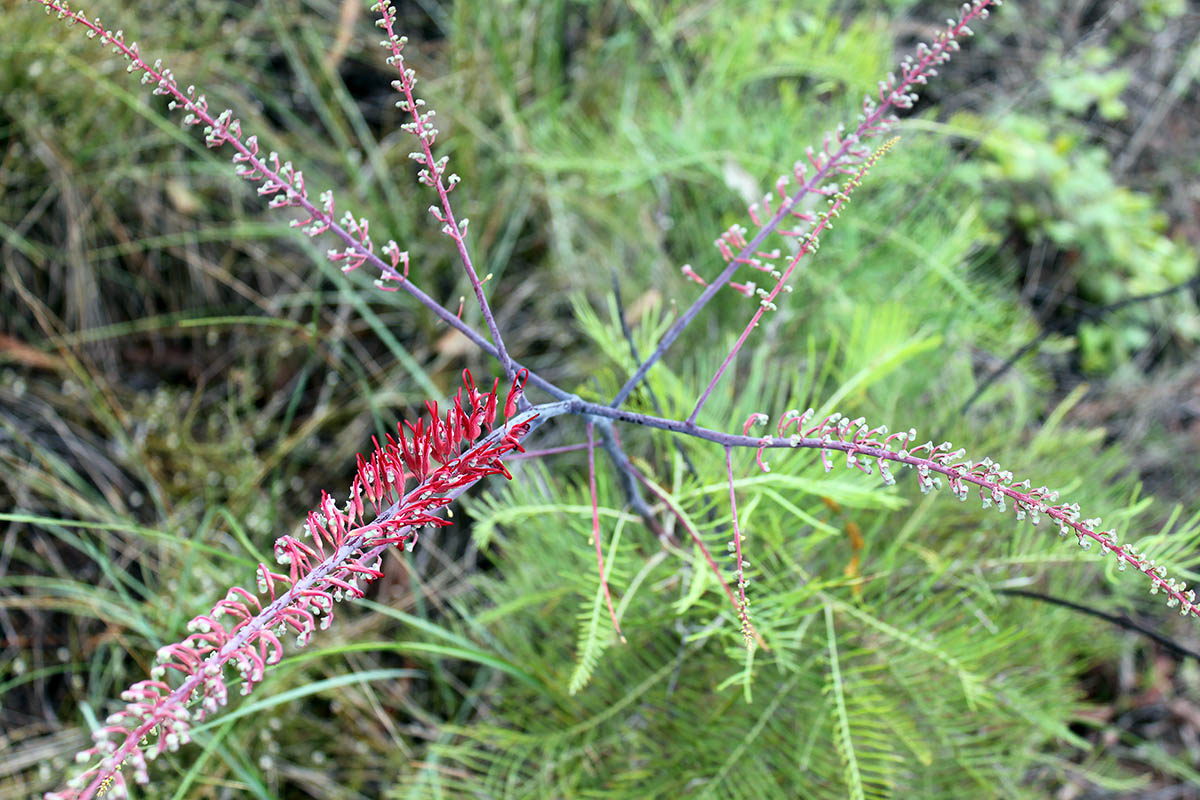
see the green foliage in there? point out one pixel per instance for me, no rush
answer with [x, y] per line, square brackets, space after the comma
[1156, 14]
[1046, 177]
[906, 676]
[1076, 84]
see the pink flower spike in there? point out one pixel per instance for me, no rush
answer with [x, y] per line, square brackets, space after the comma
[742, 582]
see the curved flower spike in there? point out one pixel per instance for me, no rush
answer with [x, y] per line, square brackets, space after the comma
[943, 464]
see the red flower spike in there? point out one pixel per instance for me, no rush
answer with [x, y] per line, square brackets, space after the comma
[341, 529]
[319, 534]
[359, 484]
[387, 458]
[468, 423]
[454, 432]
[400, 450]
[437, 439]
[423, 464]
[341, 558]
[376, 478]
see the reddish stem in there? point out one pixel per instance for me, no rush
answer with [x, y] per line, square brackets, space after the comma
[591, 452]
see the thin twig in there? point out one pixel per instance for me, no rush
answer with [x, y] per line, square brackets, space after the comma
[1120, 620]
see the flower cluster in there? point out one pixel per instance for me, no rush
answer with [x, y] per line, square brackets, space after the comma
[824, 221]
[995, 487]
[433, 171]
[840, 153]
[339, 552]
[411, 476]
[278, 180]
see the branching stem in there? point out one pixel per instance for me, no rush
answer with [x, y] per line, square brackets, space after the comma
[870, 124]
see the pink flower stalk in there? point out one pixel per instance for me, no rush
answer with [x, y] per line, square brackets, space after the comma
[285, 185]
[339, 552]
[996, 487]
[409, 478]
[811, 242]
[739, 607]
[591, 456]
[840, 154]
[736, 547]
[277, 180]
[433, 170]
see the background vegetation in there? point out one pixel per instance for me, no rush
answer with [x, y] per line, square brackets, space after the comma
[182, 375]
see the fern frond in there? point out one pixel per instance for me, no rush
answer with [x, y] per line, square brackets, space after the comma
[844, 736]
[596, 632]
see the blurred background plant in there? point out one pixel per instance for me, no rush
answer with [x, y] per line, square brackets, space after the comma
[182, 375]
[1098, 243]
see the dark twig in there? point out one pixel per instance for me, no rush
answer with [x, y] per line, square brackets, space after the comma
[629, 485]
[1120, 620]
[637, 362]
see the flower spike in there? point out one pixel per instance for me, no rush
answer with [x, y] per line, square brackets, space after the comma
[241, 633]
[869, 448]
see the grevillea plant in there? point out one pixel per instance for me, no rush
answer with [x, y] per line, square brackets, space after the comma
[407, 481]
